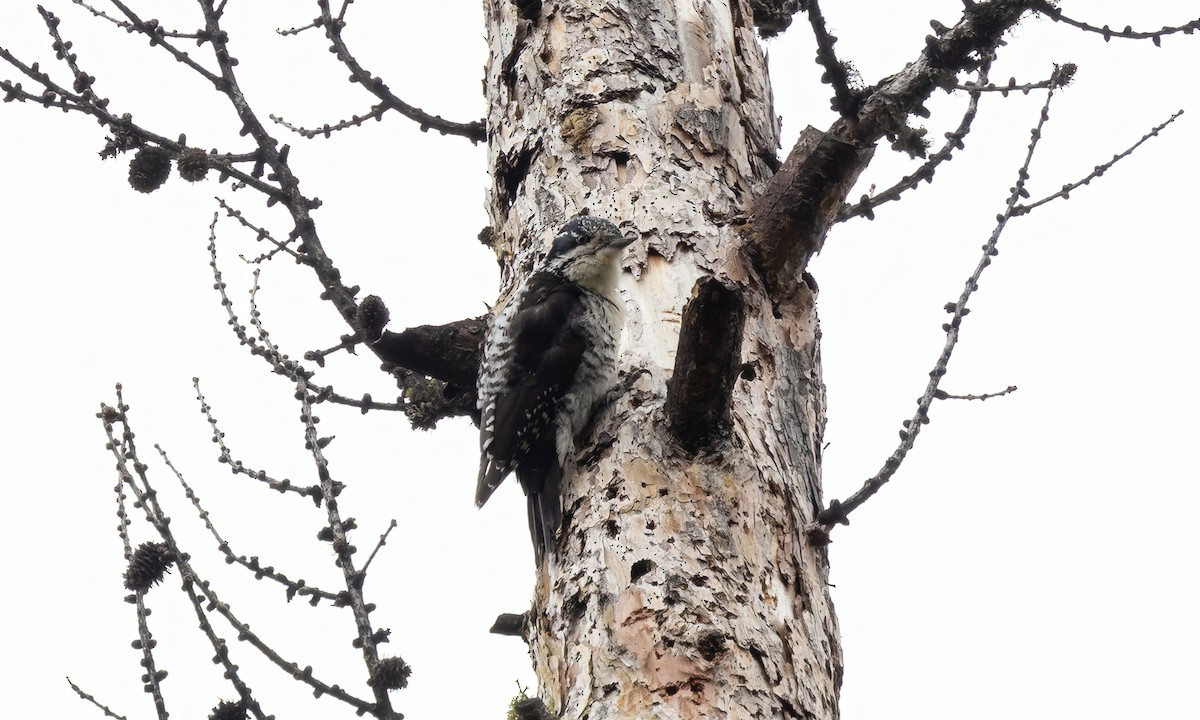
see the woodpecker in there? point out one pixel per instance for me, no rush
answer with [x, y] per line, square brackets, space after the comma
[549, 361]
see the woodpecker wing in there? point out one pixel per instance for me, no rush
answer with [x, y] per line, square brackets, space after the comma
[518, 425]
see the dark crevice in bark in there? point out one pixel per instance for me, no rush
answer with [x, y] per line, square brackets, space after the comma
[706, 365]
[511, 172]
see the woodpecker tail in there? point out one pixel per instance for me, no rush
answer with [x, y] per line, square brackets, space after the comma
[490, 475]
[543, 490]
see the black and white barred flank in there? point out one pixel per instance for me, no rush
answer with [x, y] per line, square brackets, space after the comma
[549, 361]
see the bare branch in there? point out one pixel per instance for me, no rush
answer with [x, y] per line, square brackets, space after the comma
[791, 217]
[1065, 192]
[846, 101]
[378, 546]
[262, 346]
[1128, 32]
[346, 342]
[316, 23]
[130, 27]
[294, 588]
[236, 466]
[145, 642]
[943, 395]
[447, 352]
[92, 700]
[260, 234]
[368, 639]
[377, 113]
[269, 159]
[512, 625]
[158, 37]
[125, 452]
[866, 205]
[473, 131]
[838, 511]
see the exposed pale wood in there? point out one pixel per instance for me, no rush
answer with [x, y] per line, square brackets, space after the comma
[679, 587]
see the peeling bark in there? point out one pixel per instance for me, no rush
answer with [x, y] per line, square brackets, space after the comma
[679, 587]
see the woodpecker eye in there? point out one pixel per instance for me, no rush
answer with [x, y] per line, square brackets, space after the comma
[583, 240]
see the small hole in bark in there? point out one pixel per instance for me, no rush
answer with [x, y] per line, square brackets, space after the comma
[696, 687]
[640, 568]
[748, 372]
[711, 644]
[699, 580]
[513, 173]
[671, 689]
[611, 527]
[650, 524]
[575, 607]
[668, 643]
[662, 492]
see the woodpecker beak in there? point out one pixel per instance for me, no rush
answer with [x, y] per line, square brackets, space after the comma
[623, 241]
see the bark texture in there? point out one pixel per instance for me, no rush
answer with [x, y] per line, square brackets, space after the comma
[681, 585]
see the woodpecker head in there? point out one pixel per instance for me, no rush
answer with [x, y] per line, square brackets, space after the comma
[586, 251]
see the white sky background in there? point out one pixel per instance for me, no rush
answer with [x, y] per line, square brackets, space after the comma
[1035, 556]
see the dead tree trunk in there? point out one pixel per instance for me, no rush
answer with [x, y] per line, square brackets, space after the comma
[682, 584]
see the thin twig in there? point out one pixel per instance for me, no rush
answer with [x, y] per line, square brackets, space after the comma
[346, 342]
[158, 37]
[236, 466]
[838, 511]
[129, 27]
[123, 449]
[1065, 191]
[1128, 32]
[368, 638]
[1004, 90]
[264, 348]
[377, 113]
[316, 23]
[866, 205]
[125, 452]
[474, 131]
[943, 395]
[379, 545]
[93, 701]
[260, 234]
[294, 587]
[59, 96]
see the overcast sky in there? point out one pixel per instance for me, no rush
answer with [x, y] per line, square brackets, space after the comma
[1035, 557]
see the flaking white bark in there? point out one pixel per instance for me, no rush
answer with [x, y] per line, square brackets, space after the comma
[680, 587]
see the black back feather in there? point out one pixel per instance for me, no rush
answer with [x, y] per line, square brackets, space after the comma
[549, 346]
